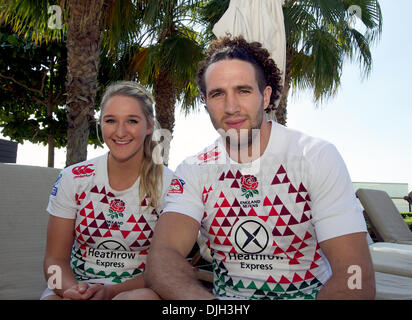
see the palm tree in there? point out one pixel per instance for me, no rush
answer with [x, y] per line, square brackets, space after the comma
[319, 37]
[168, 59]
[153, 41]
[83, 50]
[85, 24]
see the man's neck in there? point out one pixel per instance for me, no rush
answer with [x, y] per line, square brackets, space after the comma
[254, 149]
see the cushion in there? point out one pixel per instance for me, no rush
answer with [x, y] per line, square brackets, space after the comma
[392, 287]
[392, 258]
[24, 192]
[384, 216]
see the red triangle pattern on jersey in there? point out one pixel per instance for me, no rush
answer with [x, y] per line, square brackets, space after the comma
[224, 219]
[296, 278]
[78, 197]
[230, 175]
[143, 232]
[286, 222]
[217, 253]
[205, 194]
[280, 176]
[97, 227]
[106, 195]
[92, 226]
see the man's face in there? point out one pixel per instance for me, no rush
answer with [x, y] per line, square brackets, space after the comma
[233, 99]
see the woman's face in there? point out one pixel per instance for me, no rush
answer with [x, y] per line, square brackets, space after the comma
[124, 128]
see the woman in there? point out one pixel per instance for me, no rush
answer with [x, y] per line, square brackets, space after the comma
[103, 211]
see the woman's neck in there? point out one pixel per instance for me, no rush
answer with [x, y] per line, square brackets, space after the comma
[122, 175]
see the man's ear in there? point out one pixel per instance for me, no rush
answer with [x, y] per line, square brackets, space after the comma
[266, 96]
[203, 98]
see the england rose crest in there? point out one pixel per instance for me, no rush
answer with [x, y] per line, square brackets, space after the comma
[249, 185]
[116, 209]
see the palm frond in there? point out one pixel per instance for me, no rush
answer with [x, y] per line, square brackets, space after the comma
[122, 23]
[298, 21]
[324, 54]
[322, 37]
[31, 18]
[326, 12]
[363, 50]
[371, 17]
[209, 14]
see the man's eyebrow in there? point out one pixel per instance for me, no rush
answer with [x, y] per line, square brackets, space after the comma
[239, 87]
[130, 116]
[217, 90]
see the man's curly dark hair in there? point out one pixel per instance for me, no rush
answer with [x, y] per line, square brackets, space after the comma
[228, 48]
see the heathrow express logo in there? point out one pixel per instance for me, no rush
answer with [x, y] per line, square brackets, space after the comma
[111, 245]
[251, 237]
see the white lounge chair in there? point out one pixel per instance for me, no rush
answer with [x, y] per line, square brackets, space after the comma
[392, 253]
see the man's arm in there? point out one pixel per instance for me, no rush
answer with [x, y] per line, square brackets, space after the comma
[352, 269]
[167, 271]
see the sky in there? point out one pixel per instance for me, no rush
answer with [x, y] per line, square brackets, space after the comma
[369, 120]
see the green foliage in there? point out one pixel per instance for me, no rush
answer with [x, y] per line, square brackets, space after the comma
[32, 90]
[407, 215]
[322, 37]
[169, 41]
[408, 219]
[32, 79]
[29, 18]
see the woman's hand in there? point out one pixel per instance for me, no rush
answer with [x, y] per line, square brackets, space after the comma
[86, 291]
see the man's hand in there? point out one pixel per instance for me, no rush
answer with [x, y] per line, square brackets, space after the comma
[167, 272]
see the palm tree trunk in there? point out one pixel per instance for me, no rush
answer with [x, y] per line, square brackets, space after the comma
[50, 136]
[50, 146]
[281, 110]
[165, 96]
[83, 49]
[50, 105]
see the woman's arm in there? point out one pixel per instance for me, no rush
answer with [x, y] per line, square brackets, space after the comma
[60, 237]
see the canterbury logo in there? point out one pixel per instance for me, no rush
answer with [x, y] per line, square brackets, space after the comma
[209, 155]
[83, 171]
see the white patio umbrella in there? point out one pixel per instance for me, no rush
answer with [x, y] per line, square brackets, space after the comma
[257, 20]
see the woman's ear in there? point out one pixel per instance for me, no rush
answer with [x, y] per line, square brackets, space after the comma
[151, 127]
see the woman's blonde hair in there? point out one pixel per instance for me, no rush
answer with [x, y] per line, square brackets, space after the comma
[151, 172]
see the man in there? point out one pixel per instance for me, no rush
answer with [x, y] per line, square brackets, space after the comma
[276, 206]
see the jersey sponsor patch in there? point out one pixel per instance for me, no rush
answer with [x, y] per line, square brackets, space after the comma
[83, 171]
[176, 186]
[55, 187]
[208, 156]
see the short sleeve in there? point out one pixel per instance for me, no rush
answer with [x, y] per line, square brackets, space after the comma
[62, 197]
[335, 209]
[184, 195]
[167, 178]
